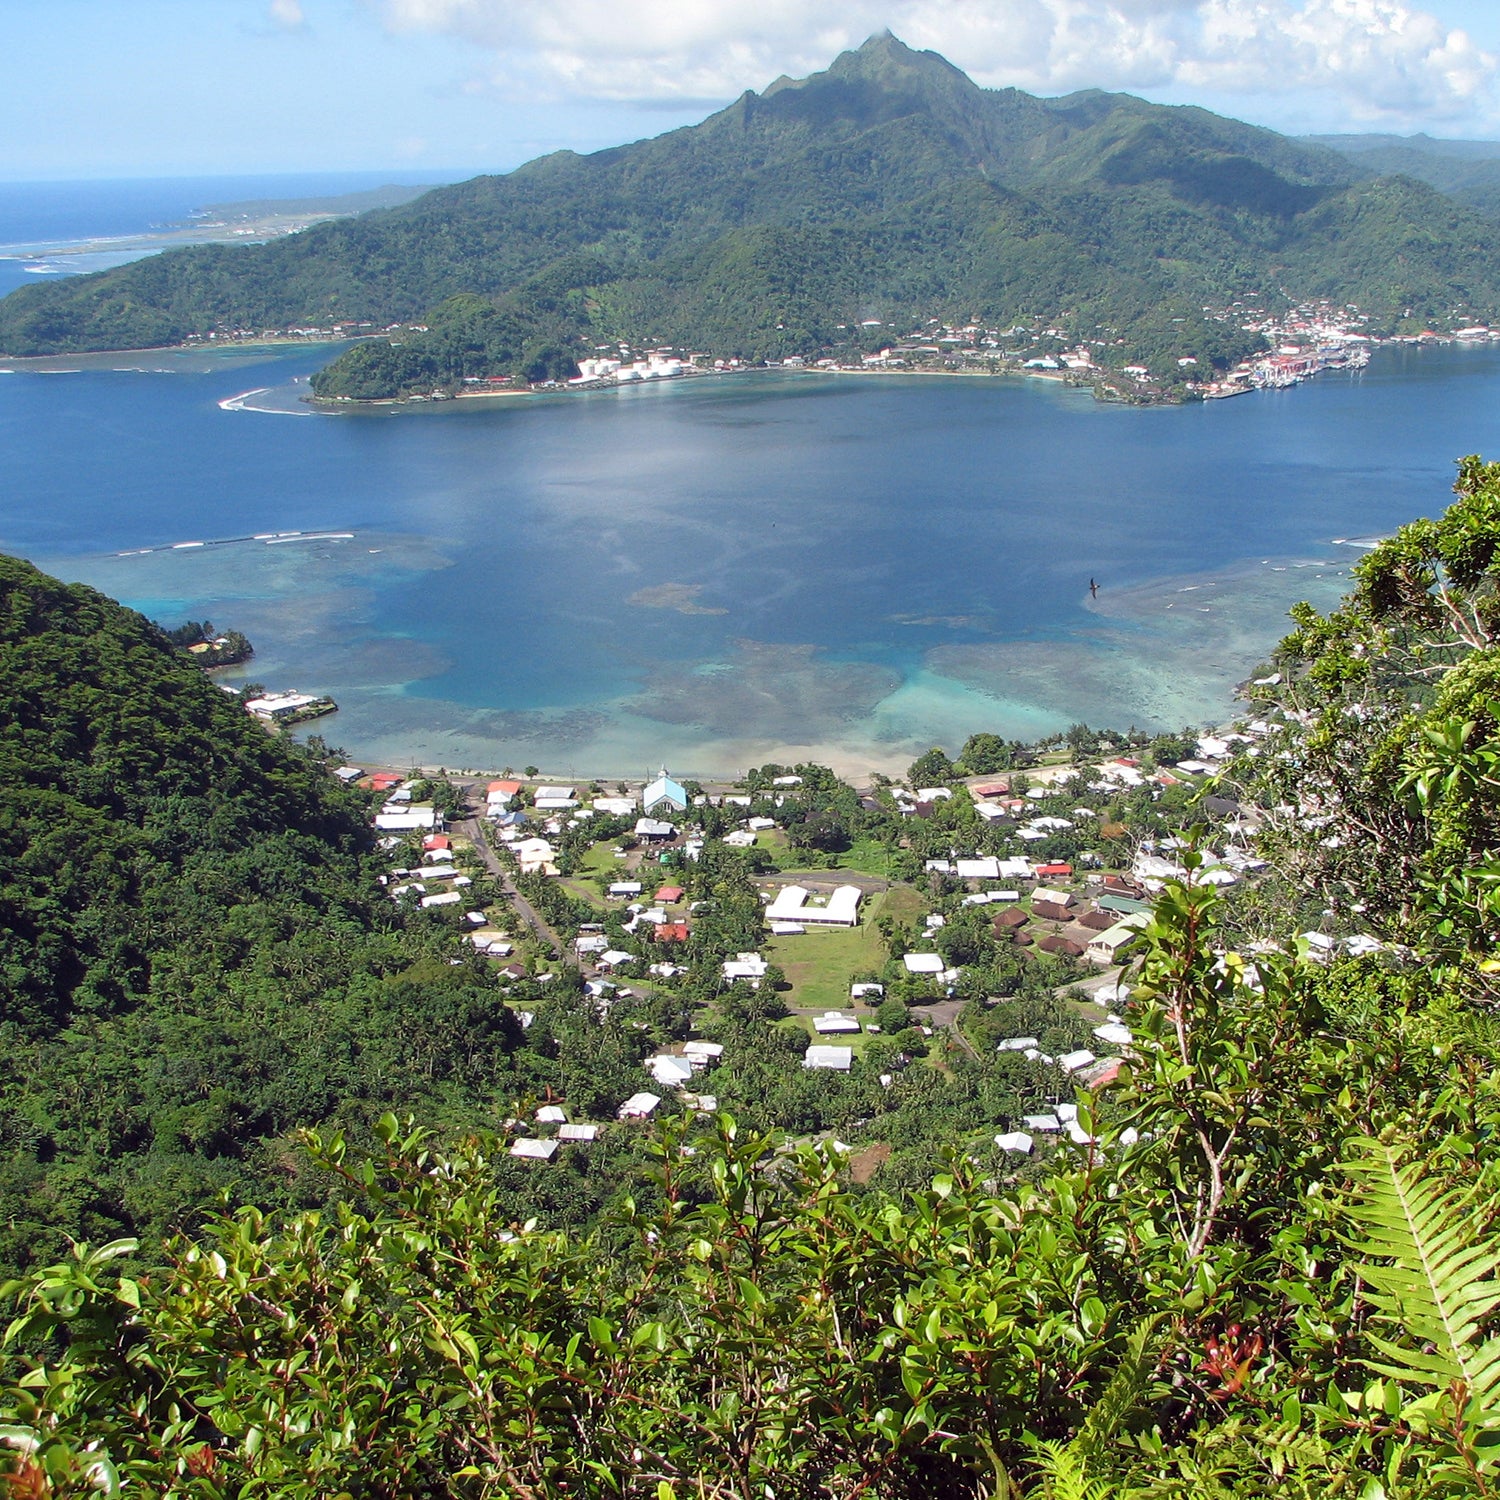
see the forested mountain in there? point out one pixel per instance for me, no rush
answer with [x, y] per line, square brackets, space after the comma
[1466, 170]
[888, 187]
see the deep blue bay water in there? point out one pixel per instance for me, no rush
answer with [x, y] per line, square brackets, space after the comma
[720, 571]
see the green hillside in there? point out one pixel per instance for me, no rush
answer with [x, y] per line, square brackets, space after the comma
[890, 186]
[1468, 171]
[194, 954]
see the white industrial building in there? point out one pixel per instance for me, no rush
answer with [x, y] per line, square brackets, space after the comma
[795, 903]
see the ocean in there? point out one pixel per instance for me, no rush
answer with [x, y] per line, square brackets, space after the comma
[40, 216]
[721, 571]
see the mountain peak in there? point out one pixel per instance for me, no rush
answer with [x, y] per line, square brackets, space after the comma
[885, 56]
[885, 60]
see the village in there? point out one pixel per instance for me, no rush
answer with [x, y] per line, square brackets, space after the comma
[805, 929]
[1299, 343]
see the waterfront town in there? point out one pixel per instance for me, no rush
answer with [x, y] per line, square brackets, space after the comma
[1299, 343]
[878, 933]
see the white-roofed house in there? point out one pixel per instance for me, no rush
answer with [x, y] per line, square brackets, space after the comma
[535, 857]
[749, 966]
[671, 1072]
[535, 1150]
[832, 1023]
[837, 1059]
[639, 1106]
[923, 963]
[408, 821]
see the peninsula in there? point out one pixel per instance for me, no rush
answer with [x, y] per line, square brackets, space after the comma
[807, 222]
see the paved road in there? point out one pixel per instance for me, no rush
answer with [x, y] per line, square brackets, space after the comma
[474, 829]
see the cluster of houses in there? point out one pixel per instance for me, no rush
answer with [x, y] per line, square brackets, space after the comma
[553, 805]
[438, 881]
[1078, 913]
[282, 708]
[544, 1147]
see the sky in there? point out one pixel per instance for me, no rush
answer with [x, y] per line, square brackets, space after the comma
[155, 88]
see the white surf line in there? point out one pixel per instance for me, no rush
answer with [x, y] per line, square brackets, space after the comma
[237, 403]
[270, 538]
[242, 403]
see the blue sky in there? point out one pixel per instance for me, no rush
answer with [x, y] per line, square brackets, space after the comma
[123, 88]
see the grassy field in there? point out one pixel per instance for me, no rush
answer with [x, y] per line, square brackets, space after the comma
[600, 860]
[902, 904]
[819, 964]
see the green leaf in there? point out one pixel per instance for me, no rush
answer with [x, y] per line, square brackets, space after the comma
[1439, 1287]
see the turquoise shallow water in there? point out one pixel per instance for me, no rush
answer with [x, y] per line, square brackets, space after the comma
[720, 571]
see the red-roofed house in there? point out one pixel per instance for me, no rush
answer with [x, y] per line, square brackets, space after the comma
[437, 841]
[383, 781]
[1053, 872]
[671, 932]
[506, 789]
[670, 893]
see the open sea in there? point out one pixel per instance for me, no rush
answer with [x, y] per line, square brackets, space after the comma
[720, 571]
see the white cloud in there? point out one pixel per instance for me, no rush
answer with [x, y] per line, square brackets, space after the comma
[1366, 59]
[288, 14]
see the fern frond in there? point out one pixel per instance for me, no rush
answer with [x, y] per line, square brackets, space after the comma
[1442, 1286]
[1119, 1397]
[1064, 1475]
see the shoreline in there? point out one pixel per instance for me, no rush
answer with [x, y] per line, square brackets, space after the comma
[1096, 381]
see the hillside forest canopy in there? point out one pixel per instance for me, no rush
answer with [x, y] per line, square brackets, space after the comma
[1265, 1260]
